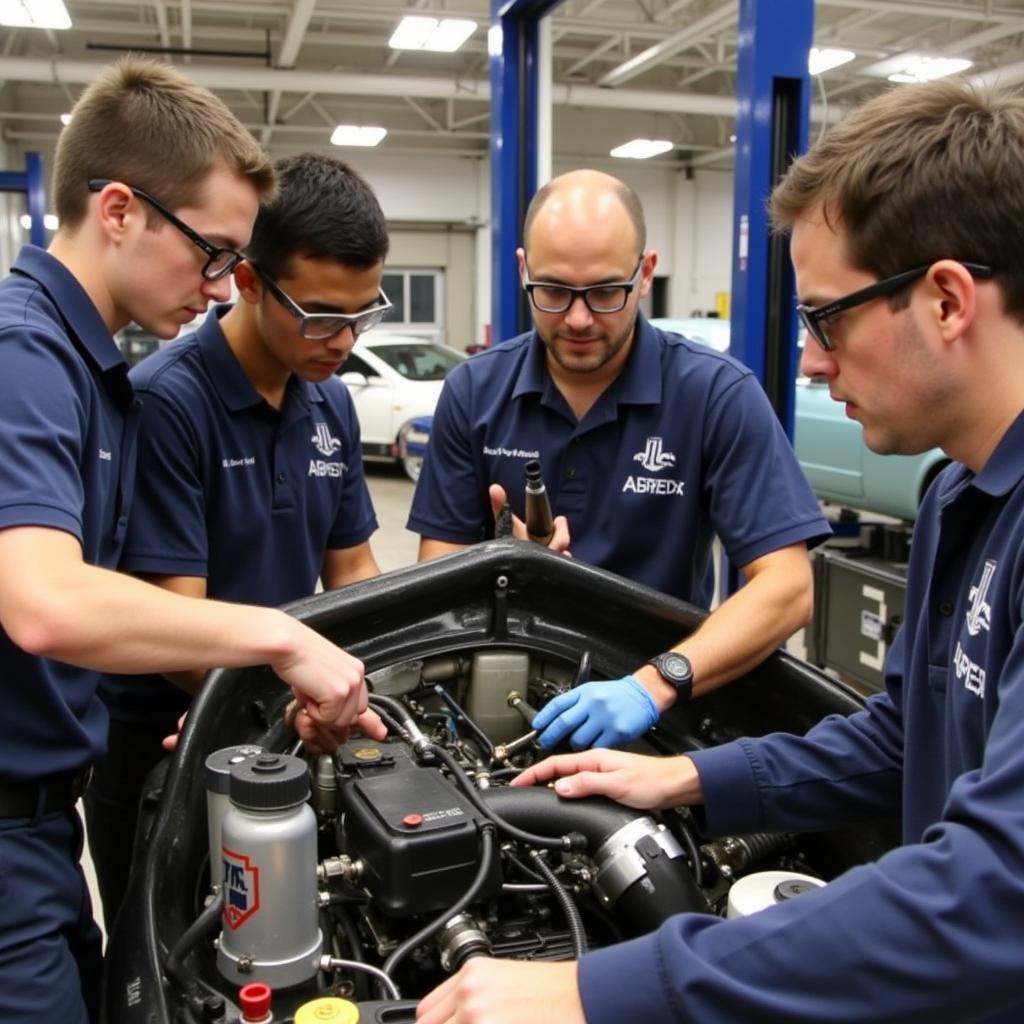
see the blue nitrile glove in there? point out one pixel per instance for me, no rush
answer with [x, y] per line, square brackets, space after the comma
[604, 714]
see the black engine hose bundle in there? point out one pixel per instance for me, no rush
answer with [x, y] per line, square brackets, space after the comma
[567, 903]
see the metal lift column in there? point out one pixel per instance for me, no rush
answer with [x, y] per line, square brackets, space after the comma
[517, 108]
[29, 181]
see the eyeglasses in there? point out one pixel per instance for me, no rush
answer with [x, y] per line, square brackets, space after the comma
[219, 262]
[611, 297]
[815, 318]
[321, 326]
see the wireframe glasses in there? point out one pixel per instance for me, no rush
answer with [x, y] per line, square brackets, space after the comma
[610, 297]
[815, 318]
[219, 260]
[321, 326]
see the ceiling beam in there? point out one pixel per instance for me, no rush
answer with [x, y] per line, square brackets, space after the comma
[693, 33]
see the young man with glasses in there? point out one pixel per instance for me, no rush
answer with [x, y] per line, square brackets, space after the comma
[650, 445]
[69, 420]
[250, 483]
[921, 183]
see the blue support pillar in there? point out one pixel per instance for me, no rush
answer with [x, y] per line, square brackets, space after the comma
[773, 113]
[773, 90]
[513, 47]
[30, 181]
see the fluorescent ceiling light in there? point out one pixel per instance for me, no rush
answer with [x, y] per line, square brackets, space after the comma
[357, 135]
[827, 58]
[924, 69]
[50, 221]
[641, 149]
[65, 119]
[34, 14]
[495, 40]
[418, 33]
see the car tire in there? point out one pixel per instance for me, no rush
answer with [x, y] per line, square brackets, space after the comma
[411, 446]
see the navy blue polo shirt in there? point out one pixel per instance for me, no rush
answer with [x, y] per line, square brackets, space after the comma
[233, 490]
[68, 423]
[683, 445]
[927, 932]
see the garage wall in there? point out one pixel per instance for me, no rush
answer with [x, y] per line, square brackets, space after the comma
[439, 209]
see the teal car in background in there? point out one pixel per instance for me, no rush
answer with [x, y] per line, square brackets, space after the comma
[830, 446]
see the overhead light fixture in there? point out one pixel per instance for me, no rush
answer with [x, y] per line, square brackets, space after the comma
[914, 68]
[642, 149]
[357, 135]
[65, 119]
[34, 14]
[446, 35]
[826, 58]
[50, 221]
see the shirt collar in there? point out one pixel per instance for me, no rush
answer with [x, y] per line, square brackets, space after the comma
[639, 383]
[230, 380]
[78, 310]
[1003, 471]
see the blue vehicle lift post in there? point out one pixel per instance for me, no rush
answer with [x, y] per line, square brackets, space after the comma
[514, 45]
[30, 181]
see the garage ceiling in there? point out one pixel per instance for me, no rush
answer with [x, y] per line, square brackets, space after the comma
[292, 70]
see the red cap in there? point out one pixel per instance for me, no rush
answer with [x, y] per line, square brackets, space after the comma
[255, 999]
[412, 820]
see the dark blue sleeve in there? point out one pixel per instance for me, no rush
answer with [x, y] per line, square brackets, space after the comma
[43, 426]
[451, 502]
[927, 933]
[167, 532]
[356, 519]
[759, 499]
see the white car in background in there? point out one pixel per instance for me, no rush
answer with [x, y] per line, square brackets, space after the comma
[395, 380]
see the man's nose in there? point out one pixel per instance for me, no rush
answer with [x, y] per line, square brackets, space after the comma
[343, 341]
[219, 290]
[815, 361]
[578, 314]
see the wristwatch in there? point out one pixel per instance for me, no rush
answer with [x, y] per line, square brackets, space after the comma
[675, 668]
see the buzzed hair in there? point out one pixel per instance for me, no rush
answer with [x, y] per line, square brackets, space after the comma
[629, 199]
[143, 123]
[919, 174]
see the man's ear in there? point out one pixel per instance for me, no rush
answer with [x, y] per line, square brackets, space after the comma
[250, 287]
[115, 204]
[647, 273]
[952, 298]
[521, 260]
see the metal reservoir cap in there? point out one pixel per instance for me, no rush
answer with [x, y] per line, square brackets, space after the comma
[270, 782]
[220, 763]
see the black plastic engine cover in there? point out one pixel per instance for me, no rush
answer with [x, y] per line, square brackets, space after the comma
[417, 837]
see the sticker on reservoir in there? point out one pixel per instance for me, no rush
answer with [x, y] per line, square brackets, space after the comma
[870, 625]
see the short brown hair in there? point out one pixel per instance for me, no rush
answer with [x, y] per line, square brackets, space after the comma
[918, 174]
[144, 123]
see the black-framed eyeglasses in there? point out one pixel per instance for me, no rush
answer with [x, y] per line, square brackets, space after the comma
[610, 297]
[815, 318]
[219, 260]
[321, 326]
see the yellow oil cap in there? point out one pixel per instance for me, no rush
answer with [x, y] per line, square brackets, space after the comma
[328, 1010]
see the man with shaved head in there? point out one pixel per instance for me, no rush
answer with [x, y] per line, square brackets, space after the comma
[650, 445]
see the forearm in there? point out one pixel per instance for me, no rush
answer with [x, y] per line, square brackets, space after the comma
[349, 565]
[430, 548]
[745, 629]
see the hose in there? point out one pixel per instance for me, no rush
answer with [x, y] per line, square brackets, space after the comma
[567, 903]
[200, 927]
[487, 843]
[481, 736]
[336, 963]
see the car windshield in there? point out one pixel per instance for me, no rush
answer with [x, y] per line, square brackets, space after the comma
[419, 361]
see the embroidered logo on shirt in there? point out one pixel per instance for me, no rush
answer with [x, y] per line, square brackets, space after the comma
[105, 456]
[654, 457]
[979, 615]
[970, 673]
[245, 460]
[511, 453]
[323, 442]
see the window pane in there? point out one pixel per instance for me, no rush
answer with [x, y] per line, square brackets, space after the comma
[421, 288]
[394, 289]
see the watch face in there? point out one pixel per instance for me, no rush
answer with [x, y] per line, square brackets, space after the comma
[674, 667]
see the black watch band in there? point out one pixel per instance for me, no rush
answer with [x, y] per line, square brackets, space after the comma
[676, 669]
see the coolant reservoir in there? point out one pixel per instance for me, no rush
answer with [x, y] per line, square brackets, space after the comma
[495, 673]
[764, 889]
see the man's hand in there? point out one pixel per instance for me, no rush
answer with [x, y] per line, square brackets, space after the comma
[560, 539]
[602, 714]
[320, 739]
[646, 783]
[505, 992]
[330, 689]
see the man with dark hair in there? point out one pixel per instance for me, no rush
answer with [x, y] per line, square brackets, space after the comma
[250, 482]
[131, 247]
[650, 445]
[928, 351]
